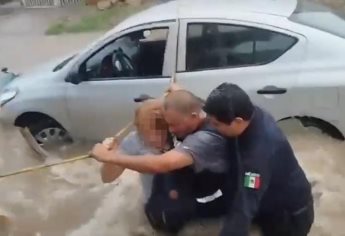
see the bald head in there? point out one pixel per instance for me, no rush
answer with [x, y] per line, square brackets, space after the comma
[183, 112]
[183, 101]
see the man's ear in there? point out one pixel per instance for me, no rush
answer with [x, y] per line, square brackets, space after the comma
[238, 120]
[200, 114]
[194, 114]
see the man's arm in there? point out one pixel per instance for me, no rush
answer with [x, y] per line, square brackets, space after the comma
[166, 162]
[110, 172]
[203, 150]
[129, 145]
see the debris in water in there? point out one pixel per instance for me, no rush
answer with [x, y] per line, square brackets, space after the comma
[5, 223]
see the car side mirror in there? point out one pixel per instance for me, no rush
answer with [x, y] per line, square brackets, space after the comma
[74, 76]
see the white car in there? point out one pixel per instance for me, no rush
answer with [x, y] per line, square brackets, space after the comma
[289, 55]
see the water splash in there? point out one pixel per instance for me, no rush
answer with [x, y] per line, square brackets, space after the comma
[71, 200]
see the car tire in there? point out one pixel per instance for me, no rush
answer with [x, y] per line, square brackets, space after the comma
[48, 132]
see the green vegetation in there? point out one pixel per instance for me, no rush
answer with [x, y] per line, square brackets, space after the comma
[4, 1]
[95, 20]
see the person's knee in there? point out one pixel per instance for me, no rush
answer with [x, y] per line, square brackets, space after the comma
[165, 219]
[164, 222]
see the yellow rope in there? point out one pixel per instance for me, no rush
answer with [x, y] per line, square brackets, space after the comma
[30, 169]
[78, 158]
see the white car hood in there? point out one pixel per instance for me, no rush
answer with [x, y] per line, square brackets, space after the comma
[42, 72]
[5, 79]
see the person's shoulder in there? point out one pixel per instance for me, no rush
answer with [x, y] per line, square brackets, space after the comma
[270, 125]
[132, 136]
[208, 149]
[207, 135]
[274, 135]
[205, 141]
[265, 114]
[132, 143]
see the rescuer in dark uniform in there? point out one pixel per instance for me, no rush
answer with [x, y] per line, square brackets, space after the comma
[267, 184]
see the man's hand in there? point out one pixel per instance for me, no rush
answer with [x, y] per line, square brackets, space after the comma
[102, 153]
[110, 143]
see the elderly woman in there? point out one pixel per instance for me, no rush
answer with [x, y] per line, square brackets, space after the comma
[150, 137]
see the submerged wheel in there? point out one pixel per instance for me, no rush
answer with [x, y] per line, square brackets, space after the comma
[49, 133]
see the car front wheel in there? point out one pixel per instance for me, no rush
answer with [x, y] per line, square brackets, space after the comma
[49, 134]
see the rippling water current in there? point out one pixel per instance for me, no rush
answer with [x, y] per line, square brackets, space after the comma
[71, 200]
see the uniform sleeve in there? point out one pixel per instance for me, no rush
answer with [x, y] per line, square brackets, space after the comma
[130, 145]
[254, 181]
[208, 150]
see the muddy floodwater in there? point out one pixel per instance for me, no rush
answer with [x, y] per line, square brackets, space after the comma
[71, 200]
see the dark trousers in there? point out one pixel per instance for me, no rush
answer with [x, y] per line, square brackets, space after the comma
[287, 223]
[214, 209]
[171, 215]
[166, 214]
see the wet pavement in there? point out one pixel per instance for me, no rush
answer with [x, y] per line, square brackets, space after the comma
[22, 40]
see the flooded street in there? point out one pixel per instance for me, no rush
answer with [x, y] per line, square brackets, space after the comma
[71, 199]
[323, 159]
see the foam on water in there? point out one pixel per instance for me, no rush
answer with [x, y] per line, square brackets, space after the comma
[71, 200]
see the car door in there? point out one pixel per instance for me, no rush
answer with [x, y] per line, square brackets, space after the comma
[261, 59]
[136, 61]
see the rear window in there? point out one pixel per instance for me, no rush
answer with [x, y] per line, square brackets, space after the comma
[215, 46]
[320, 17]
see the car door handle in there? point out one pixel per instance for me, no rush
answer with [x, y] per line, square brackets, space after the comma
[142, 97]
[272, 90]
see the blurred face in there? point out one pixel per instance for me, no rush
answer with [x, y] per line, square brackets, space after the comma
[156, 138]
[181, 125]
[234, 129]
[155, 133]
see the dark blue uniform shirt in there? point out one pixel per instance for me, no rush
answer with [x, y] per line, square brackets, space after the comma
[265, 176]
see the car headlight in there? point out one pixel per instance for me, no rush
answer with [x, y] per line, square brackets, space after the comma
[7, 96]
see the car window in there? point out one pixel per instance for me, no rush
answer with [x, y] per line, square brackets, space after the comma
[212, 45]
[137, 54]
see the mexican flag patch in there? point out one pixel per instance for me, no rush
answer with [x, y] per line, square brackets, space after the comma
[252, 180]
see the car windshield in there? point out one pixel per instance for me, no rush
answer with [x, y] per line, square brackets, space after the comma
[320, 17]
[63, 63]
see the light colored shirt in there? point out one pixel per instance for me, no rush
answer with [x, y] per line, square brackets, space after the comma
[133, 145]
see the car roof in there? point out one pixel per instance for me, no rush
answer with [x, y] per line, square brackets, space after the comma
[180, 9]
